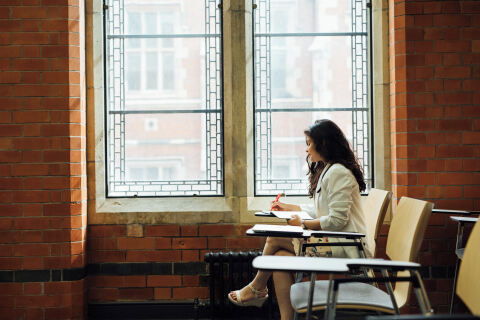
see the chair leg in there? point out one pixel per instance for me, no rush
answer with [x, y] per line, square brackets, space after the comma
[452, 301]
[329, 298]
[333, 303]
[423, 301]
[389, 287]
[313, 277]
[298, 278]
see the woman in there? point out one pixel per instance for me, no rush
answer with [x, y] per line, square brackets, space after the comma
[335, 181]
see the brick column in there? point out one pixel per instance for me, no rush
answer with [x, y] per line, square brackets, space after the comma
[435, 119]
[435, 114]
[42, 160]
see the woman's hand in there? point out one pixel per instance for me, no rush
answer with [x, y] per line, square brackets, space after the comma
[295, 220]
[281, 206]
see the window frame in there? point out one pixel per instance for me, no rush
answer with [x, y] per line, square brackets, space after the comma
[369, 100]
[239, 203]
[212, 153]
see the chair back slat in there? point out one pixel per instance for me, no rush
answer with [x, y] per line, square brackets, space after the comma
[375, 207]
[405, 237]
[468, 280]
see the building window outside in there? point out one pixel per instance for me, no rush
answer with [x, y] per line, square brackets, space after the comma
[146, 169]
[311, 61]
[163, 98]
[151, 124]
[155, 56]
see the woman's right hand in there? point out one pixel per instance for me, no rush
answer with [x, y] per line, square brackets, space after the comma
[281, 206]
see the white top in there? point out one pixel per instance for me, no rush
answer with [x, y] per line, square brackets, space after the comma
[339, 206]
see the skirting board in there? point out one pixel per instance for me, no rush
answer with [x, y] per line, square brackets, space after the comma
[147, 310]
[170, 310]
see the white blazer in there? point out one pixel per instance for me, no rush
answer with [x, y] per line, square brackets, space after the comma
[338, 205]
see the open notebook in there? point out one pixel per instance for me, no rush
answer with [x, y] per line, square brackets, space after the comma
[288, 214]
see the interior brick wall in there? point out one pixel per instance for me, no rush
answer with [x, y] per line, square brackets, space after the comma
[42, 160]
[435, 120]
[435, 98]
[174, 256]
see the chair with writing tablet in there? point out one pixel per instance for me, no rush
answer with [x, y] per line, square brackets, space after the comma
[461, 217]
[375, 207]
[403, 243]
[459, 250]
[468, 282]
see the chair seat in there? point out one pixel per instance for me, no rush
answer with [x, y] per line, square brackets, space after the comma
[459, 253]
[352, 295]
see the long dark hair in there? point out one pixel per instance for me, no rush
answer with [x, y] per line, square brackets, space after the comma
[331, 144]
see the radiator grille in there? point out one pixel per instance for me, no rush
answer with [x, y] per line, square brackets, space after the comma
[231, 271]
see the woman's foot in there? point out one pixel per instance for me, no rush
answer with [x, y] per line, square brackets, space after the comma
[248, 296]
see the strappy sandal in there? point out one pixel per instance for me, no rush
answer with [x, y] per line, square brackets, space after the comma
[258, 301]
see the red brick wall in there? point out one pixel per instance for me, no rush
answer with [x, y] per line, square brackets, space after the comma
[435, 119]
[42, 159]
[178, 251]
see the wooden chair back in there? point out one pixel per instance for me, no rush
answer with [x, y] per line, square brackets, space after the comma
[405, 237]
[375, 207]
[468, 280]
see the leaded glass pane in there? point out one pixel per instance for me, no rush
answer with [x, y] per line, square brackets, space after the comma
[311, 62]
[164, 98]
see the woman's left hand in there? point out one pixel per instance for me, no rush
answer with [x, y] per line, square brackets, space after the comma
[295, 220]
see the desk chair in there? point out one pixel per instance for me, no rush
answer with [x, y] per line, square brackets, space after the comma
[375, 208]
[459, 250]
[333, 266]
[468, 283]
[404, 240]
[468, 276]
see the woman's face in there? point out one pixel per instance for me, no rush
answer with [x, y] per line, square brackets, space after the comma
[312, 153]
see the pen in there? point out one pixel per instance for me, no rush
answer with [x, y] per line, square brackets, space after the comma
[276, 199]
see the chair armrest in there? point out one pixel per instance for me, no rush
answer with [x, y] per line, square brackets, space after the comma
[383, 264]
[306, 234]
[303, 264]
[336, 234]
[318, 264]
[280, 234]
[424, 317]
[460, 219]
[309, 264]
[449, 211]
[333, 244]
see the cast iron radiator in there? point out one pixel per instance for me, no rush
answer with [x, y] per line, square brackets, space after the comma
[230, 271]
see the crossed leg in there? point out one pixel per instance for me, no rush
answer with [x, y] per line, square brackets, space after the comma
[273, 246]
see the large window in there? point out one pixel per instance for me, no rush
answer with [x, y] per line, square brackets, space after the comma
[311, 62]
[164, 93]
[163, 98]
